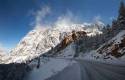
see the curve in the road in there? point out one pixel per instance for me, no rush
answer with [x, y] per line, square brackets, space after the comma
[91, 70]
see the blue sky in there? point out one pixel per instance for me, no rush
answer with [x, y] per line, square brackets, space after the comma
[16, 16]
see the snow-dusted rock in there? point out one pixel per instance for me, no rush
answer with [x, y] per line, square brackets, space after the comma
[114, 48]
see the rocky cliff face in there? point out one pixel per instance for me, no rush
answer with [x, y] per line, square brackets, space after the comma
[65, 42]
[115, 47]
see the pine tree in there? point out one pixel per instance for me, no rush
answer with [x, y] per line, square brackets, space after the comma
[114, 25]
[121, 16]
[119, 24]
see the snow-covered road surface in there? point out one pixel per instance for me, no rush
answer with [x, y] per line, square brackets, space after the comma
[91, 70]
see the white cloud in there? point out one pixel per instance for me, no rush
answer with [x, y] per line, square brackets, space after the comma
[97, 18]
[1, 46]
[3, 50]
[66, 19]
[40, 15]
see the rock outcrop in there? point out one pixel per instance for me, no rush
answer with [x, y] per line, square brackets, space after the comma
[65, 42]
[114, 47]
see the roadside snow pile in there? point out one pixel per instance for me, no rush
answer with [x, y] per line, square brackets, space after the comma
[94, 56]
[71, 72]
[48, 68]
[68, 52]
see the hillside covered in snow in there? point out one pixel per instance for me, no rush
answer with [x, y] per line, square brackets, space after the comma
[39, 40]
[114, 47]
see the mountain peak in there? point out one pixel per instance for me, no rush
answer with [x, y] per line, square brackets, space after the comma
[40, 40]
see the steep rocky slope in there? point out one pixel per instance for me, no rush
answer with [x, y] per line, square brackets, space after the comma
[39, 40]
[114, 49]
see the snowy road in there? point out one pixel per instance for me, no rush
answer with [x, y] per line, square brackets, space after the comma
[91, 70]
[101, 71]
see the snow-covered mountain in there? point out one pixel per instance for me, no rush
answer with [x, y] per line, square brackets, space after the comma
[94, 28]
[40, 40]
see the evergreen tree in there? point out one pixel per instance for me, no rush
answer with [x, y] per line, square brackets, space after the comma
[114, 24]
[122, 10]
[121, 17]
[119, 24]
